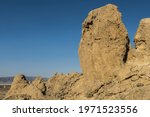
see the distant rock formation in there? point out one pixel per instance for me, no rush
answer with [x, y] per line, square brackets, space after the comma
[60, 86]
[22, 89]
[112, 69]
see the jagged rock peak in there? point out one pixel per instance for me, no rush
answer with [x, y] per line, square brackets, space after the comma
[19, 78]
[142, 37]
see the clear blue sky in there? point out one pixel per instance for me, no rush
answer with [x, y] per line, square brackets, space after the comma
[41, 37]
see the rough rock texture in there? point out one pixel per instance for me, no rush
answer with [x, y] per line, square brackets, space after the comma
[22, 89]
[60, 86]
[104, 45]
[141, 54]
[112, 69]
[18, 84]
[63, 86]
[142, 37]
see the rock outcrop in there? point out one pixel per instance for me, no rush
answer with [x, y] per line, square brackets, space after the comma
[104, 45]
[142, 37]
[112, 69]
[60, 86]
[22, 89]
[141, 54]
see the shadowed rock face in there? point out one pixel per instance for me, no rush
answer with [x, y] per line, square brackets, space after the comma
[111, 70]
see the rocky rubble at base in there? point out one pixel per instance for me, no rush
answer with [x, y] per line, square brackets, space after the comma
[112, 69]
[60, 86]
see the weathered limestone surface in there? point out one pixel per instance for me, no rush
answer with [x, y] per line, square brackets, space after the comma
[22, 89]
[104, 43]
[142, 37]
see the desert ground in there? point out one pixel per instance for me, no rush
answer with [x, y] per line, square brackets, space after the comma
[3, 90]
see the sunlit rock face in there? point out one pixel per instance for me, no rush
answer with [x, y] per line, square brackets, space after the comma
[103, 47]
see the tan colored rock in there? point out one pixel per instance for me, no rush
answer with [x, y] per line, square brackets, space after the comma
[36, 89]
[18, 84]
[22, 89]
[62, 86]
[103, 47]
[39, 84]
[132, 83]
[142, 37]
[104, 43]
[141, 54]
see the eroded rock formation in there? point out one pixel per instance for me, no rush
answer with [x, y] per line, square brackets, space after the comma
[22, 89]
[60, 86]
[104, 43]
[104, 46]
[112, 69]
[142, 37]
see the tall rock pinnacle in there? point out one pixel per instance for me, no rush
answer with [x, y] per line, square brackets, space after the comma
[104, 43]
[142, 37]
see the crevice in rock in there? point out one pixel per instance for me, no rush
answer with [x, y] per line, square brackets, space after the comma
[127, 51]
[88, 24]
